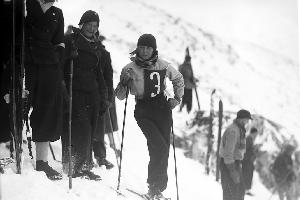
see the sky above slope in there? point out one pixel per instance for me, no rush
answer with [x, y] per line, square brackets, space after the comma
[260, 22]
[251, 48]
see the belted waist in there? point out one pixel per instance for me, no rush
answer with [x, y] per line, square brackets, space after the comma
[158, 97]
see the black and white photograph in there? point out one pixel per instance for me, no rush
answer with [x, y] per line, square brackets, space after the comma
[150, 100]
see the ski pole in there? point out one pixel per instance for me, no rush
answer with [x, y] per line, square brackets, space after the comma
[52, 152]
[112, 138]
[175, 160]
[123, 128]
[16, 129]
[197, 97]
[70, 116]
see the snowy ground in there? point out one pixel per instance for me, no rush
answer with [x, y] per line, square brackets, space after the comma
[251, 59]
[193, 183]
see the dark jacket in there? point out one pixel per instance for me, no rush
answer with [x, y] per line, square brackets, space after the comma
[107, 69]
[249, 155]
[283, 169]
[43, 32]
[87, 75]
[187, 72]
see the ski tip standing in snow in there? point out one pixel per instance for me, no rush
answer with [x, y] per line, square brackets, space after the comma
[145, 78]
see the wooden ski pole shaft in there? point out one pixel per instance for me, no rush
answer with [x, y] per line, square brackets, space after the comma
[70, 124]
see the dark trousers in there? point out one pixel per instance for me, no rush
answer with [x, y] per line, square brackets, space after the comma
[231, 190]
[98, 140]
[187, 99]
[248, 168]
[45, 93]
[84, 121]
[154, 117]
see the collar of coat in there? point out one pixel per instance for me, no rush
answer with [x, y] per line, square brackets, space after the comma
[84, 44]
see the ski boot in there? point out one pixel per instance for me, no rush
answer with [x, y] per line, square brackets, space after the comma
[106, 163]
[86, 174]
[50, 172]
[155, 194]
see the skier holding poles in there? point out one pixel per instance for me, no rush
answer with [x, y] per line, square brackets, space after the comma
[145, 77]
[89, 95]
[44, 49]
[189, 83]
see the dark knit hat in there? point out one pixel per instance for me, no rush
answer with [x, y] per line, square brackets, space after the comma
[89, 16]
[243, 114]
[147, 40]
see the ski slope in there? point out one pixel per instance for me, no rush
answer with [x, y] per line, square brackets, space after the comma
[251, 59]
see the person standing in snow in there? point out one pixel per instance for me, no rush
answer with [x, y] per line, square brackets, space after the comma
[44, 47]
[89, 100]
[232, 149]
[189, 82]
[99, 147]
[284, 174]
[145, 77]
[248, 161]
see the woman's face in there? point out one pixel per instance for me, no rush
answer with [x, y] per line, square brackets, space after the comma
[89, 29]
[145, 52]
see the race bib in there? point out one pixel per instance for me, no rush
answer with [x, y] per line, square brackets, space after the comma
[154, 82]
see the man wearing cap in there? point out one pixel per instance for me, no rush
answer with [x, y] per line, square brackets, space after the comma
[232, 149]
[145, 77]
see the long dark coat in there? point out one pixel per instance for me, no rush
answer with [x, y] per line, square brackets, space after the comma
[44, 32]
[4, 107]
[89, 97]
[6, 65]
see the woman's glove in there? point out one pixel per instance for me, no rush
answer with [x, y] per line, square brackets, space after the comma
[173, 103]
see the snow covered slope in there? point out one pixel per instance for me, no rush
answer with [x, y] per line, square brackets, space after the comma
[247, 50]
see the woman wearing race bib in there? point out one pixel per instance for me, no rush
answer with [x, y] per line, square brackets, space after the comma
[145, 77]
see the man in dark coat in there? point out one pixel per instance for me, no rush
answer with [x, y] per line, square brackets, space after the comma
[90, 98]
[44, 32]
[189, 83]
[232, 149]
[248, 161]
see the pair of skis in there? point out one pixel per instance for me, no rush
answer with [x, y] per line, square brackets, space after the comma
[139, 194]
[17, 82]
[210, 136]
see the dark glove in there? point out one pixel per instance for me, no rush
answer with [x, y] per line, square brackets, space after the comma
[173, 103]
[61, 54]
[234, 173]
[74, 52]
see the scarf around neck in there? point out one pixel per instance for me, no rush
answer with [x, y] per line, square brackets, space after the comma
[144, 63]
